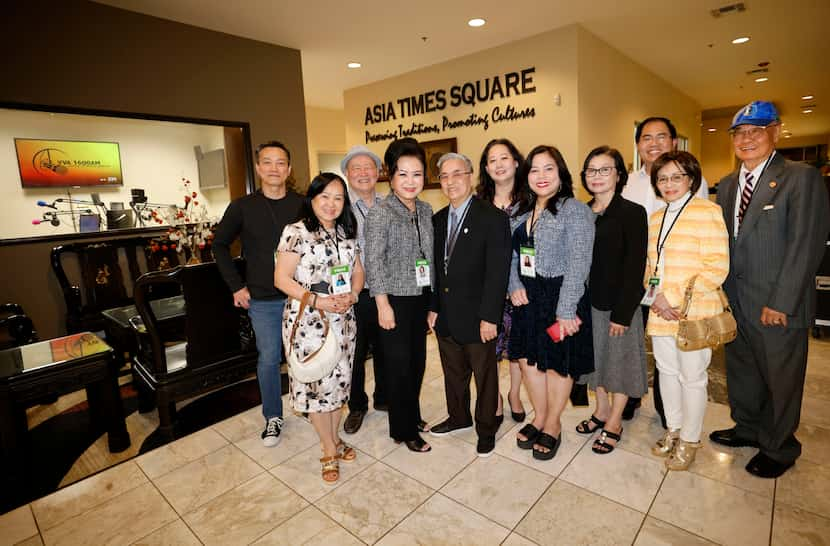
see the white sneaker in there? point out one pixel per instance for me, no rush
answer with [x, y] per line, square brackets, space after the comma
[271, 434]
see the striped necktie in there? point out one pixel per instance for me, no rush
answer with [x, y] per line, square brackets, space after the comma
[746, 196]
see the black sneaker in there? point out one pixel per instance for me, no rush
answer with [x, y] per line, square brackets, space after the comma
[271, 434]
[485, 446]
[445, 427]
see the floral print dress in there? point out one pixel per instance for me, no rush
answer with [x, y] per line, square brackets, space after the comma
[318, 253]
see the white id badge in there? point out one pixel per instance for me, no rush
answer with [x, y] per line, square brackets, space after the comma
[527, 261]
[422, 276]
[341, 279]
[652, 290]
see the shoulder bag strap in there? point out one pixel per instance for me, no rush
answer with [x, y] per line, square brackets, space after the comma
[303, 303]
[687, 300]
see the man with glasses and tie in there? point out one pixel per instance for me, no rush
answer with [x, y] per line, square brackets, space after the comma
[778, 217]
[472, 263]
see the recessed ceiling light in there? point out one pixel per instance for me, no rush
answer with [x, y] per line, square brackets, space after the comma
[762, 79]
[711, 129]
[354, 65]
[807, 97]
[807, 111]
[788, 136]
[477, 22]
[741, 40]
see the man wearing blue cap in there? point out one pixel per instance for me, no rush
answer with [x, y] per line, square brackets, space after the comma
[778, 216]
[361, 168]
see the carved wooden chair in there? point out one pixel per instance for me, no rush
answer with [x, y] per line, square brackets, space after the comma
[217, 349]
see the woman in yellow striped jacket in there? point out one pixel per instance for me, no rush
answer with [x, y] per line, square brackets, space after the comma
[686, 239]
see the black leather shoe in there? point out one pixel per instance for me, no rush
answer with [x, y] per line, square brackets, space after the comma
[445, 427]
[630, 407]
[728, 437]
[764, 467]
[354, 421]
[486, 445]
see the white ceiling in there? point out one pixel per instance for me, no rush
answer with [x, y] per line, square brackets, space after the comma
[678, 40]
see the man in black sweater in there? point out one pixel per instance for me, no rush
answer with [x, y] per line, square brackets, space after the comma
[258, 220]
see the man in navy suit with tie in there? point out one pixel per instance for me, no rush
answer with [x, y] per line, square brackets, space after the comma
[778, 216]
[472, 262]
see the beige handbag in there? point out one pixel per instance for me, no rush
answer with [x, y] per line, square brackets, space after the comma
[706, 332]
[320, 363]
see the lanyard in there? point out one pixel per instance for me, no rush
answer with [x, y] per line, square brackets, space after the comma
[414, 220]
[533, 220]
[451, 236]
[334, 239]
[660, 235]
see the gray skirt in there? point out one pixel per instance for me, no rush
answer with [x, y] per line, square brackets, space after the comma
[620, 362]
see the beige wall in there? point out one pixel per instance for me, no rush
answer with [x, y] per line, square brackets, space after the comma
[615, 92]
[601, 94]
[326, 128]
[716, 157]
[553, 54]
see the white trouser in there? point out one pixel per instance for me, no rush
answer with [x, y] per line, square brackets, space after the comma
[683, 381]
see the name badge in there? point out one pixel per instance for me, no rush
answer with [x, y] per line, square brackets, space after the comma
[527, 261]
[422, 276]
[341, 279]
[651, 291]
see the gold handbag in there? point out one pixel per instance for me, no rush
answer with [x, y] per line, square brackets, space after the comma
[706, 332]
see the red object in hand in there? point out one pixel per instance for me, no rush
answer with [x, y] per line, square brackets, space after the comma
[554, 331]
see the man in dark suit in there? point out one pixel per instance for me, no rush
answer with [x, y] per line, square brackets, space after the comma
[472, 262]
[778, 217]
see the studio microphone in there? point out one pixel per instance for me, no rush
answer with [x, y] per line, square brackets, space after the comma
[45, 204]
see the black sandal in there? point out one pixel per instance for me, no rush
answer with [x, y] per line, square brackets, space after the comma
[601, 446]
[531, 433]
[418, 445]
[423, 426]
[585, 426]
[547, 441]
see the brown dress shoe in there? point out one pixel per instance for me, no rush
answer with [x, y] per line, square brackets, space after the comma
[354, 421]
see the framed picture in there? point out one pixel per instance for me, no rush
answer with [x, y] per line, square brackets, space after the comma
[434, 149]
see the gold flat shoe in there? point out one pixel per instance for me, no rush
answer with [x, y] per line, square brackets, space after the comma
[665, 445]
[683, 455]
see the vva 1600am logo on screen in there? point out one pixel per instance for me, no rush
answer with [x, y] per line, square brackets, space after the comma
[57, 163]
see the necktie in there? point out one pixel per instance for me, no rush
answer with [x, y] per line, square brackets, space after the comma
[746, 195]
[453, 235]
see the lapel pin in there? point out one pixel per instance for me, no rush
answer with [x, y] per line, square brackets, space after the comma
[773, 184]
[466, 230]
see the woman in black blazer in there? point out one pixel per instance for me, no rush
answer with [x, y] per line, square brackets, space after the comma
[616, 288]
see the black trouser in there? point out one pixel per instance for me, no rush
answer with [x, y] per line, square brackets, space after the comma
[404, 351]
[459, 362]
[765, 370]
[658, 400]
[366, 314]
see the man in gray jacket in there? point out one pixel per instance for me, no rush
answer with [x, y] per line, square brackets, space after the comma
[778, 217]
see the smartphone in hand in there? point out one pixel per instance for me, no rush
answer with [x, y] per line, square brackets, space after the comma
[555, 333]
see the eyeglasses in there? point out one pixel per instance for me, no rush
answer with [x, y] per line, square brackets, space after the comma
[676, 178]
[752, 133]
[602, 171]
[455, 175]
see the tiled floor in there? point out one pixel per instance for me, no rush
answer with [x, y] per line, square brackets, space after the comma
[220, 486]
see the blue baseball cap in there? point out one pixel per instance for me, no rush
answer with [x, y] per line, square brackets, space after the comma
[757, 112]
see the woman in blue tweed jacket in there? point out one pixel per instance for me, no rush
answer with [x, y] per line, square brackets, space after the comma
[552, 249]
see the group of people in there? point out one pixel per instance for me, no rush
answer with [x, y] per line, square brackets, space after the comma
[519, 269]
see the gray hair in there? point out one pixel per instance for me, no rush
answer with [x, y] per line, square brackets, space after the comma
[453, 155]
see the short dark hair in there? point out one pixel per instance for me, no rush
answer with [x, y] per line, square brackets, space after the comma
[619, 165]
[486, 189]
[403, 147]
[685, 161]
[639, 132]
[566, 185]
[273, 144]
[346, 220]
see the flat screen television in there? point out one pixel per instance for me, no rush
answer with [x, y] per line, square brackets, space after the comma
[67, 163]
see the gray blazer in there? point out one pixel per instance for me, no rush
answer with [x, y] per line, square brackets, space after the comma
[781, 241]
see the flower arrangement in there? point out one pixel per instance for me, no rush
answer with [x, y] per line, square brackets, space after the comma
[190, 232]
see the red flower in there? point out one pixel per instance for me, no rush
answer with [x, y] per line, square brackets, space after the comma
[164, 248]
[173, 246]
